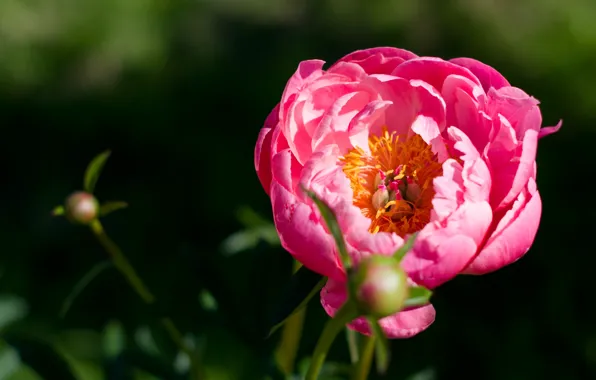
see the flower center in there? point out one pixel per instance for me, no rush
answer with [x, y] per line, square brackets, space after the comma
[393, 184]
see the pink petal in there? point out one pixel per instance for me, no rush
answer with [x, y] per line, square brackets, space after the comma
[438, 255]
[380, 60]
[371, 117]
[404, 324]
[263, 149]
[263, 158]
[476, 177]
[285, 169]
[412, 101]
[550, 130]
[302, 234]
[463, 109]
[511, 174]
[520, 109]
[514, 234]
[432, 71]
[488, 76]
[334, 126]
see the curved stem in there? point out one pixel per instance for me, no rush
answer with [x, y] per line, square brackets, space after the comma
[124, 266]
[362, 367]
[343, 316]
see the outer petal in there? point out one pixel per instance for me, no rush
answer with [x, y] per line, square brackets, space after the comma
[438, 255]
[263, 149]
[302, 234]
[513, 236]
[380, 60]
[404, 324]
[488, 76]
[520, 109]
[432, 70]
[511, 172]
[550, 130]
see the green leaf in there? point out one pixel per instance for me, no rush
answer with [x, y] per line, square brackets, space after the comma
[82, 284]
[249, 218]
[150, 364]
[12, 309]
[382, 350]
[419, 296]
[331, 221]
[109, 207]
[401, 252]
[9, 361]
[114, 339]
[207, 301]
[94, 170]
[249, 238]
[58, 210]
[303, 285]
[41, 357]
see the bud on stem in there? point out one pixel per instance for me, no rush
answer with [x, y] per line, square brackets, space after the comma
[380, 286]
[81, 208]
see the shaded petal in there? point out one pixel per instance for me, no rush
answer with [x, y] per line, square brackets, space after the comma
[263, 149]
[302, 234]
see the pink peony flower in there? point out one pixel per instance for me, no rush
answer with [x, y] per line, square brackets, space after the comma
[398, 144]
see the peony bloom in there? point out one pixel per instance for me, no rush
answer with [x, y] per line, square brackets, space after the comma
[397, 144]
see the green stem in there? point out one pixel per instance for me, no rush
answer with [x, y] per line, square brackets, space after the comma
[124, 266]
[290, 340]
[362, 367]
[346, 314]
[352, 338]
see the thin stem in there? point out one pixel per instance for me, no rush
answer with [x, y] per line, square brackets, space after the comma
[362, 367]
[290, 340]
[124, 266]
[352, 338]
[343, 316]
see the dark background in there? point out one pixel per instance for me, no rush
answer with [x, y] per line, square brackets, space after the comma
[178, 90]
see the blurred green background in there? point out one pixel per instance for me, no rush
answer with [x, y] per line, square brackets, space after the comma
[178, 90]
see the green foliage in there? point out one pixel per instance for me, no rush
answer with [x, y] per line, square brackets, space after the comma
[93, 171]
[303, 286]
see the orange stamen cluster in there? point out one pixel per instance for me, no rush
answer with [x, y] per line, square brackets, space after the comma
[393, 164]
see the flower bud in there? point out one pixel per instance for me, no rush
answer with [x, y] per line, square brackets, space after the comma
[380, 198]
[381, 286]
[412, 192]
[81, 207]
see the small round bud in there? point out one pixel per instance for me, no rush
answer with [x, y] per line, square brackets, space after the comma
[380, 198]
[413, 192]
[379, 179]
[381, 286]
[81, 207]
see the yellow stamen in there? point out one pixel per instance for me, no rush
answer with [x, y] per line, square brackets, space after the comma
[387, 153]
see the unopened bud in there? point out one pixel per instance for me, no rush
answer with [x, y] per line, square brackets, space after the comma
[381, 286]
[379, 179]
[380, 198]
[81, 207]
[413, 192]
